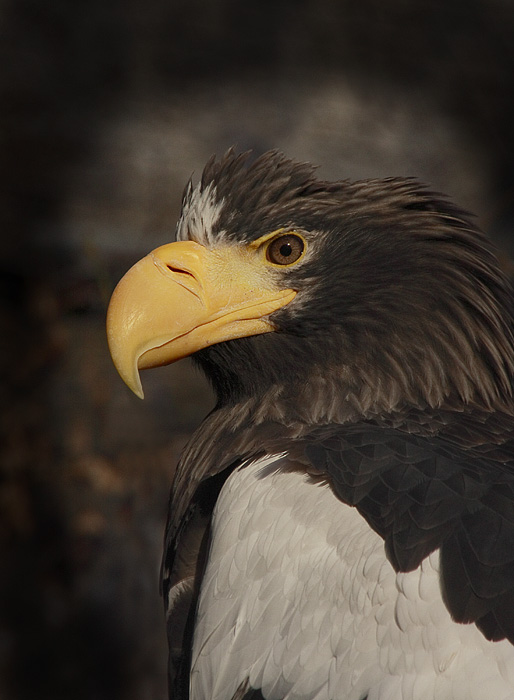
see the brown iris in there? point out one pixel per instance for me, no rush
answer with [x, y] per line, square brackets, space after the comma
[285, 250]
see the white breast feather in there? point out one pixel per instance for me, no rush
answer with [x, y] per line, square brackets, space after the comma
[299, 597]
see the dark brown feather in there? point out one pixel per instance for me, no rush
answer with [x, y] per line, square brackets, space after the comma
[400, 337]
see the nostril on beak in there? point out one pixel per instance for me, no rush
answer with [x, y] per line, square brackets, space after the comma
[171, 268]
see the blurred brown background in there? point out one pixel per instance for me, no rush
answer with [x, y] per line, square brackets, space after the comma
[106, 108]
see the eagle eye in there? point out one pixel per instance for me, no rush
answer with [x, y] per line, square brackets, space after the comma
[286, 249]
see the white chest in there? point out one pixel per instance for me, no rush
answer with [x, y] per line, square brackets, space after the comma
[299, 598]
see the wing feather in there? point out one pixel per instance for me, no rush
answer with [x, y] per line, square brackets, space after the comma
[426, 493]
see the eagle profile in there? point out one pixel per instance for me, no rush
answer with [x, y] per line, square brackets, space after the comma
[341, 525]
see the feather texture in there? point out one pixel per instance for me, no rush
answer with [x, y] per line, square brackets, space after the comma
[342, 525]
[298, 597]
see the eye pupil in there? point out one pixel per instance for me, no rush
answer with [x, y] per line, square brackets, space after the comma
[286, 249]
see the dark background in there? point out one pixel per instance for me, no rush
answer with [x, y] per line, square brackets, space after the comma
[106, 108]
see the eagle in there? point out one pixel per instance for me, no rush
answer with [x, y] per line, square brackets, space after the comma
[341, 525]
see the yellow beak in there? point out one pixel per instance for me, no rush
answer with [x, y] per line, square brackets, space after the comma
[183, 297]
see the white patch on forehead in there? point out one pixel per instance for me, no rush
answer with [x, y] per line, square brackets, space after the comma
[200, 212]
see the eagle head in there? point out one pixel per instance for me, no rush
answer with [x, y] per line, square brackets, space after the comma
[324, 297]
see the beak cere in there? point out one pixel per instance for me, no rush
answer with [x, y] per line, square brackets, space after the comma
[183, 297]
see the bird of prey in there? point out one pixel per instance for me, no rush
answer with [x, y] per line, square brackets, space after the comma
[341, 525]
